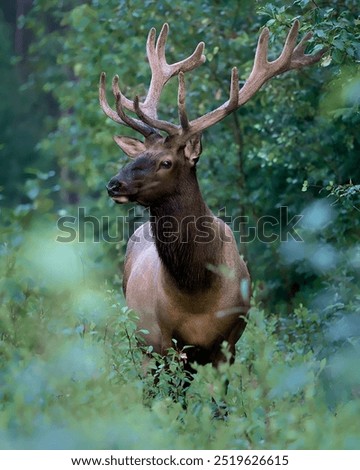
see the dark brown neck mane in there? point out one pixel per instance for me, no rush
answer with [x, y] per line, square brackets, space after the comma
[185, 237]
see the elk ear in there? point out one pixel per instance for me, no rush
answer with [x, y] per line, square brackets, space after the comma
[132, 147]
[193, 149]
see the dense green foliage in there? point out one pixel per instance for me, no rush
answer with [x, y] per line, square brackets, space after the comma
[70, 369]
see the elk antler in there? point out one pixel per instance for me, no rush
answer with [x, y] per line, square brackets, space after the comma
[161, 72]
[291, 57]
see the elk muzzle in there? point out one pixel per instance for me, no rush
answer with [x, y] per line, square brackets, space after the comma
[117, 190]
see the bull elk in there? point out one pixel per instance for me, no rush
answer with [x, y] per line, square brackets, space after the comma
[173, 277]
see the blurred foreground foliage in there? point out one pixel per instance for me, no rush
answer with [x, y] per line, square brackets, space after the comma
[71, 372]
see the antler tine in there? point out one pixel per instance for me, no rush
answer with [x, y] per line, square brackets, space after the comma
[300, 48]
[299, 59]
[184, 121]
[151, 47]
[125, 102]
[285, 57]
[186, 65]
[104, 103]
[135, 124]
[161, 42]
[261, 53]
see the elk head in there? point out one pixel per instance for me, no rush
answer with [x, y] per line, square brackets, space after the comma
[161, 163]
[157, 167]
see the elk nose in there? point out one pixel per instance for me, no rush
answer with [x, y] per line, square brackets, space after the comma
[113, 187]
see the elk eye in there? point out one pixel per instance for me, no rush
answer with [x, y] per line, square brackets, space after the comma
[166, 164]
